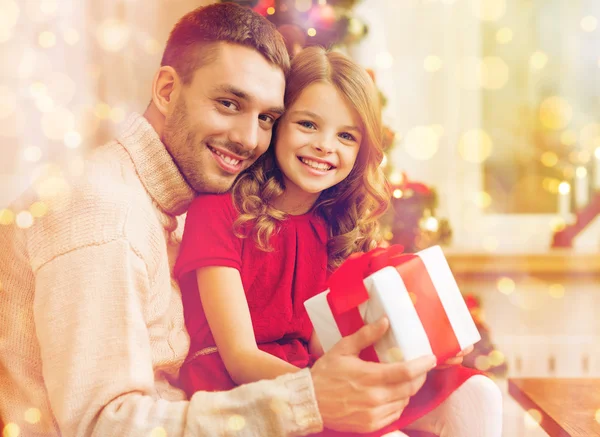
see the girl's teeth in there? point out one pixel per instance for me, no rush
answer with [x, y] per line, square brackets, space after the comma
[316, 165]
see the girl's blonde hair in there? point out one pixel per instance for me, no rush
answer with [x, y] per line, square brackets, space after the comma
[350, 208]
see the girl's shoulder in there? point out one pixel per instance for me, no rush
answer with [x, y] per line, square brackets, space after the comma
[213, 203]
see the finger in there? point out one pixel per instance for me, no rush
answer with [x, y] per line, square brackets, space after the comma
[453, 361]
[389, 413]
[406, 371]
[364, 337]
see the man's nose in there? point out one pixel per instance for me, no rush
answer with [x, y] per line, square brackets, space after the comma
[246, 133]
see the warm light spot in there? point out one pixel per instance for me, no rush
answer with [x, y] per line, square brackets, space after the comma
[44, 103]
[483, 199]
[432, 63]
[236, 423]
[388, 235]
[32, 154]
[564, 188]
[384, 60]
[551, 185]
[505, 285]
[555, 113]
[538, 60]
[597, 153]
[322, 2]
[496, 358]
[398, 193]
[102, 111]
[431, 224]
[117, 115]
[597, 415]
[38, 209]
[311, 31]
[489, 10]
[589, 23]
[7, 217]
[10, 14]
[584, 156]
[482, 363]
[556, 290]
[493, 73]
[113, 35]
[549, 159]
[568, 137]
[395, 355]
[278, 406]
[489, 243]
[159, 431]
[33, 415]
[57, 123]
[270, 10]
[438, 129]
[421, 143]
[355, 27]
[303, 5]
[71, 36]
[37, 89]
[384, 161]
[49, 7]
[581, 172]
[475, 146]
[8, 102]
[11, 430]
[47, 39]
[532, 418]
[24, 220]
[504, 35]
[72, 139]
[557, 224]
[152, 46]
[396, 178]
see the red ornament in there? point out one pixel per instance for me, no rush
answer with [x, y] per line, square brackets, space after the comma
[263, 5]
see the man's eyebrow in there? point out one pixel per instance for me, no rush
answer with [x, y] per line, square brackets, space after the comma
[241, 94]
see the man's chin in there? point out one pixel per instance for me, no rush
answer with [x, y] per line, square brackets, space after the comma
[223, 185]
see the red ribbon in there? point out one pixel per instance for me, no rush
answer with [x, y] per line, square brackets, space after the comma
[347, 292]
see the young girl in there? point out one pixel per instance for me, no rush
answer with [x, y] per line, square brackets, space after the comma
[250, 258]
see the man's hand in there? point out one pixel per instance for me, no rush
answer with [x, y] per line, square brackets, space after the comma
[458, 359]
[360, 396]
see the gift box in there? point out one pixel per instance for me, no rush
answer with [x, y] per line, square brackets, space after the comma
[418, 294]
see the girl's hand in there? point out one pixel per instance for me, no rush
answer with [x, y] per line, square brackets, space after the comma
[458, 359]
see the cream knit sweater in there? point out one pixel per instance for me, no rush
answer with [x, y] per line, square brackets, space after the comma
[91, 323]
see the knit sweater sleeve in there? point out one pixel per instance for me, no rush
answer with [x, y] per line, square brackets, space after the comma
[97, 353]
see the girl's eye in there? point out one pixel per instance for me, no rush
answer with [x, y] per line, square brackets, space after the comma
[307, 124]
[347, 136]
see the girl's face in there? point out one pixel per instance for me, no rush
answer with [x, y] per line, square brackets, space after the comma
[317, 140]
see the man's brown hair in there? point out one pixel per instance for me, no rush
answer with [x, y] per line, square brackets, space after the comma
[191, 41]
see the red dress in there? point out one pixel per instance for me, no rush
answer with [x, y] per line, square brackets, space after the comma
[276, 284]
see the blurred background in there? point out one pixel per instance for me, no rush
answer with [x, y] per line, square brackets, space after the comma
[492, 113]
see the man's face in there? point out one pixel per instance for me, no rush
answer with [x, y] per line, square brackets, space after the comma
[222, 121]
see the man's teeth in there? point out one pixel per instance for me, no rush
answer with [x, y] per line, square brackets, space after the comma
[229, 160]
[316, 165]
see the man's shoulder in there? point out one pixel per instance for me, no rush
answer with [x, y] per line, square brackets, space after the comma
[93, 208]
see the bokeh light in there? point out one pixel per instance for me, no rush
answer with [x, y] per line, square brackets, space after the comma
[489, 10]
[475, 146]
[556, 291]
[589, 23]
[504, 35]
[159, 431]
[32, 415]
[482, 363]
[57, 123]
[505, 285]
[384, 60]
[432, 63]
[568, 137]
[549, 159]
[72, 139]
[11, 430]
[494, 73]
[71, 36]
[113, 35]
[421, 142]
[555, 113]
[24, 220]
[236, 422]
[538, 60]
[10, 14]
[589, 136]
[270, 10]
[482, 199]
[47, 39]
[303, 5]
[496, 358]
[564, 188]
[7, 217]
[532, 418]
[32, 154]
[38, 209]
[489, 243]
[398, 193]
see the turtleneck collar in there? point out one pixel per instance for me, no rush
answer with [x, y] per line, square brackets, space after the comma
[155, 167]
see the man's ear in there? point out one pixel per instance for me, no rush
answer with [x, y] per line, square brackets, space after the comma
[165, 88]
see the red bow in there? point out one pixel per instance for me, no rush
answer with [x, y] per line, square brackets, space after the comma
[347, 291]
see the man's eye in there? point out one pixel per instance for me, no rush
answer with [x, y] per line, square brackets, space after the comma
[227, 103]
[267, 118]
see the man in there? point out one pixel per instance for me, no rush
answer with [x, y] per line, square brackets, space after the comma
[91, 322]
